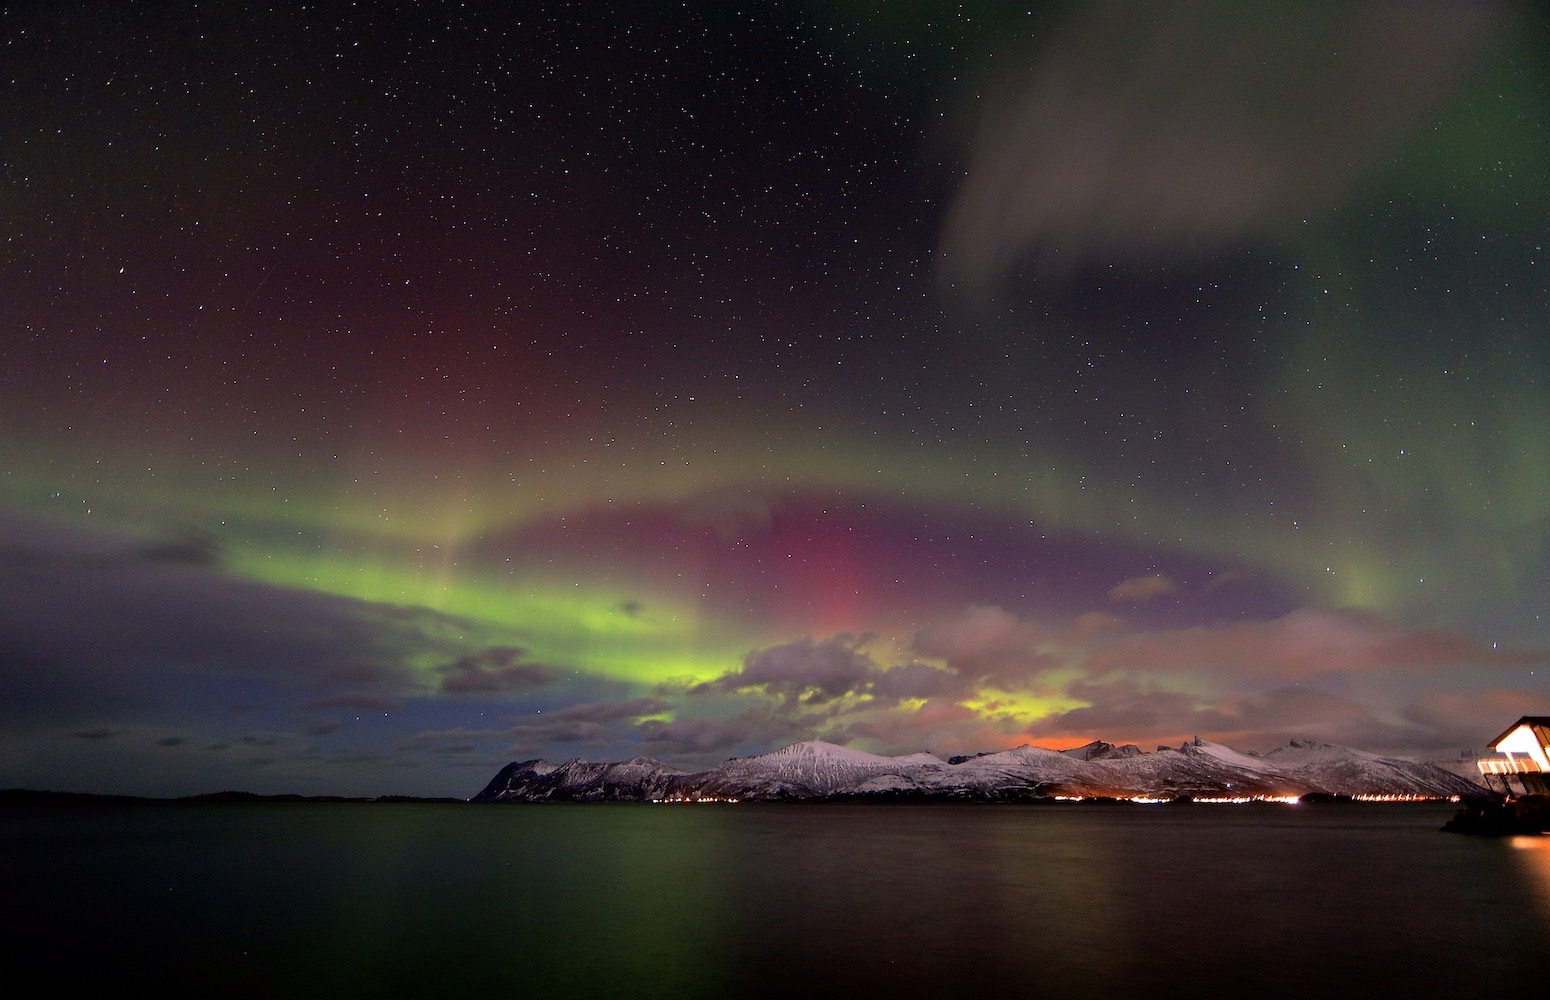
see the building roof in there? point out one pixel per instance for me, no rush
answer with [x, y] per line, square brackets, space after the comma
[1540, 724]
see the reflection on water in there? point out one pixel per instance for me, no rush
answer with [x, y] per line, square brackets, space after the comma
[938, 900]
[1534, 854]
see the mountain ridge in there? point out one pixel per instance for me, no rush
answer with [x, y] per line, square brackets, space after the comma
[818, 770]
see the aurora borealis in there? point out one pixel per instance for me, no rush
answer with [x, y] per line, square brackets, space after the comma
[394, 391]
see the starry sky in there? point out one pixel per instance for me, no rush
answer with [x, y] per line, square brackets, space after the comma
[391, 391]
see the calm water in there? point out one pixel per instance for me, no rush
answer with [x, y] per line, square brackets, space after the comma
[770, 900]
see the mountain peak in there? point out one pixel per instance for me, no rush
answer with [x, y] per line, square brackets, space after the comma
[1099, 750]
[1306, 744]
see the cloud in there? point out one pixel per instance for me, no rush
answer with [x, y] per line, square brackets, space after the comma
[987, 643]
[587, 722]
[933, 724]
[498, 668]
[1128, 710]
[319, 725]
[806, 670]
[911, 681]
[96, 625]
[758, 726]
[1309, 673]
[1470, 718]
[812, 673]
[1125, 709]
[1305, 643]
[609, 710]
[1091, 625]
[199, 549]
[1142, 589]
[1275, 717]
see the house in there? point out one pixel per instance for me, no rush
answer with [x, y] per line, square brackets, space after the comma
[1524, 767]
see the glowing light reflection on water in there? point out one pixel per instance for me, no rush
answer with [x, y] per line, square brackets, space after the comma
[1534, 853]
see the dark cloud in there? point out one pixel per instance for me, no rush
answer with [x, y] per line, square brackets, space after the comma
[808, 671]
[1467, 718]
[93, 624]
[757, 727]
[1128, 710]
[608, 711]
[1284, 713]
[987, 643]
[983, 642]
[197, 549]
[936, 724]
[499, 668]
[587, 722]
[918, 680]
[319, 725]
[1305, 643]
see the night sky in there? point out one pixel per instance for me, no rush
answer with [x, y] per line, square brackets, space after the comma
[391, 391]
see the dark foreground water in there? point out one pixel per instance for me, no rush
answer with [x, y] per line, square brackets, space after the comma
[769, 900]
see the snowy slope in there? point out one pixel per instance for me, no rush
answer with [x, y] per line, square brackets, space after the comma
[1343, 771]
[815, 769]
[639, 778]
[1021, 770]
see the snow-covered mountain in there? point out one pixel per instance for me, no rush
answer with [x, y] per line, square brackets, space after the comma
[817, 770]
[635, 780]
[1343, 771]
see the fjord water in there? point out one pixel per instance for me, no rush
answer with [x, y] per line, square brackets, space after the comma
[768, 900]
